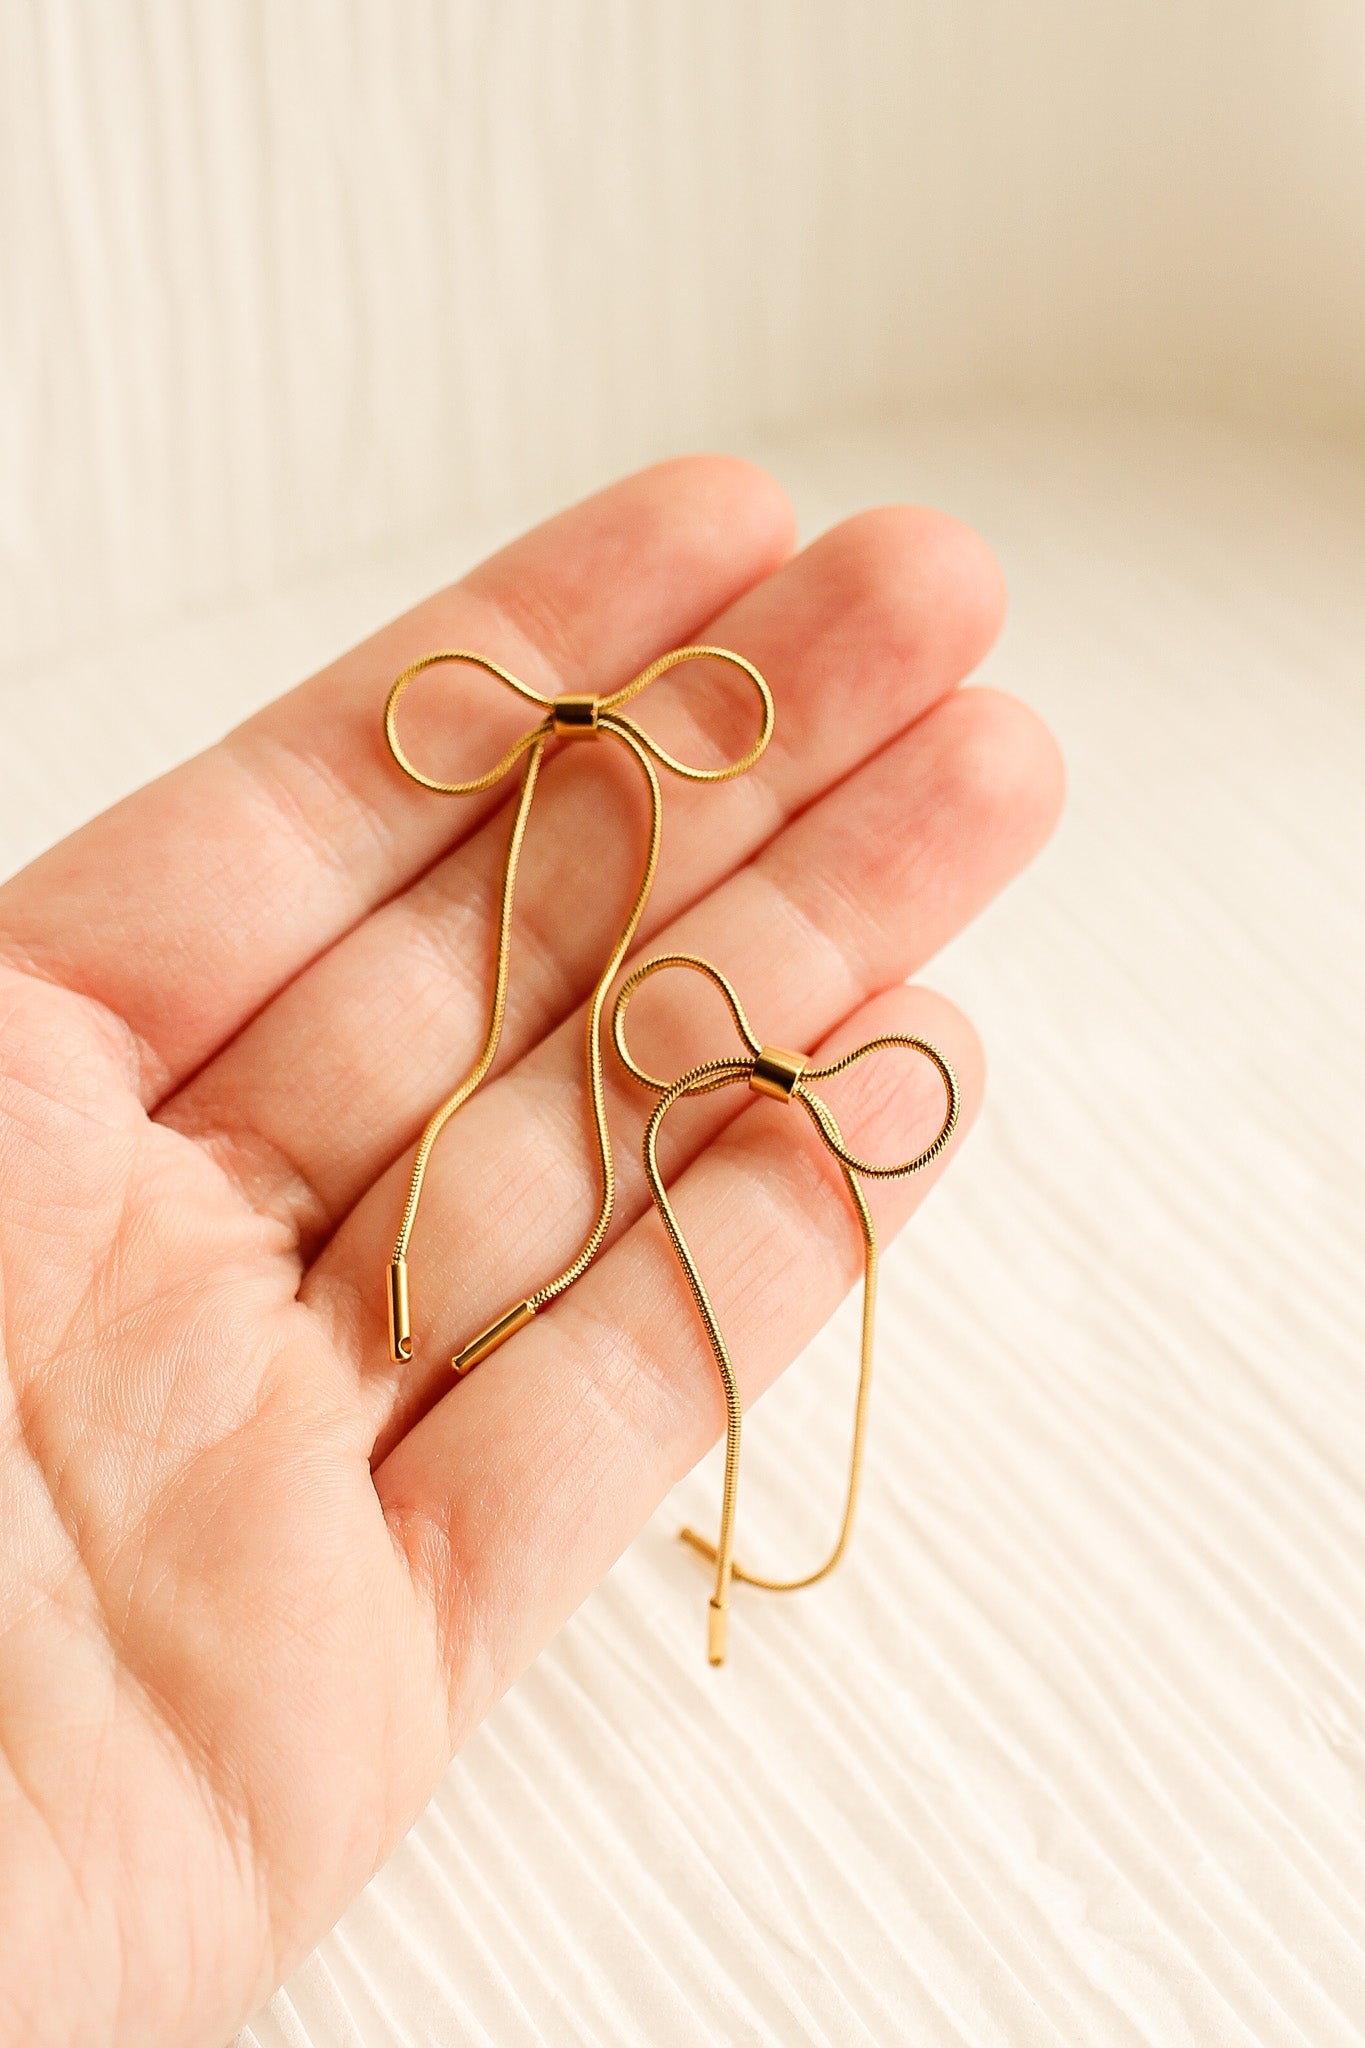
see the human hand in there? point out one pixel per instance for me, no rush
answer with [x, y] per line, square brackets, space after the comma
[257, 1582]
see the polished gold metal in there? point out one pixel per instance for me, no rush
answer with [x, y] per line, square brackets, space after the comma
[787, 1077]
[399, 1315]
[478, 1348]
[574, 718]
[566, 717]
[777, 1071]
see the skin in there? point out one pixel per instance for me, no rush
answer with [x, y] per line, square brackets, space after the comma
[256, 1583]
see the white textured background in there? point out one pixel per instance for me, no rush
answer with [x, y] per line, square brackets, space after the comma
[302, 306]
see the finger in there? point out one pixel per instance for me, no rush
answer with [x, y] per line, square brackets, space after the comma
[859, 635]
[854, 895]
[519, 1489]
[186, 907]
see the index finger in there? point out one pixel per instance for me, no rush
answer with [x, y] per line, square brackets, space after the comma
[184, 908]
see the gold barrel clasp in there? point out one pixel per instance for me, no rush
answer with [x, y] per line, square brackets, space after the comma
[777, 1071]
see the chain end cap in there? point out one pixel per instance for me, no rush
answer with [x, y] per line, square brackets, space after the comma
[400, 1319]
[478, 1348]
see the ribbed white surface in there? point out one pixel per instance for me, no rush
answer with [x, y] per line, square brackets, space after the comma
[285, 282]
[1073, 1750]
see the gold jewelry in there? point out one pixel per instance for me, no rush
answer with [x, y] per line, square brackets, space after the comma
[785, 1077]
[568, 717]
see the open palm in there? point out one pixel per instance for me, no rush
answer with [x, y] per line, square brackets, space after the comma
[256, 1581]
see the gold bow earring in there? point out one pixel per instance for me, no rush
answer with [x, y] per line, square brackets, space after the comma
[784, 1077]
[570, 717]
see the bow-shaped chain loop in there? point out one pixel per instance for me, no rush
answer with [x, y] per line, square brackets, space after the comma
[786, 1077]
[565, 717]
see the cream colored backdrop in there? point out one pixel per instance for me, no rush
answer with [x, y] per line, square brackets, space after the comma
[283, 284]
[300, 307]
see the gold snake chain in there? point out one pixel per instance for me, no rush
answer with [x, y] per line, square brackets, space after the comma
[566, 717]
[785, 1077]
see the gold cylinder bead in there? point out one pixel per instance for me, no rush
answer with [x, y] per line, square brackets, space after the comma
[575, 718]
[717, 1632]
[776, 1072]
